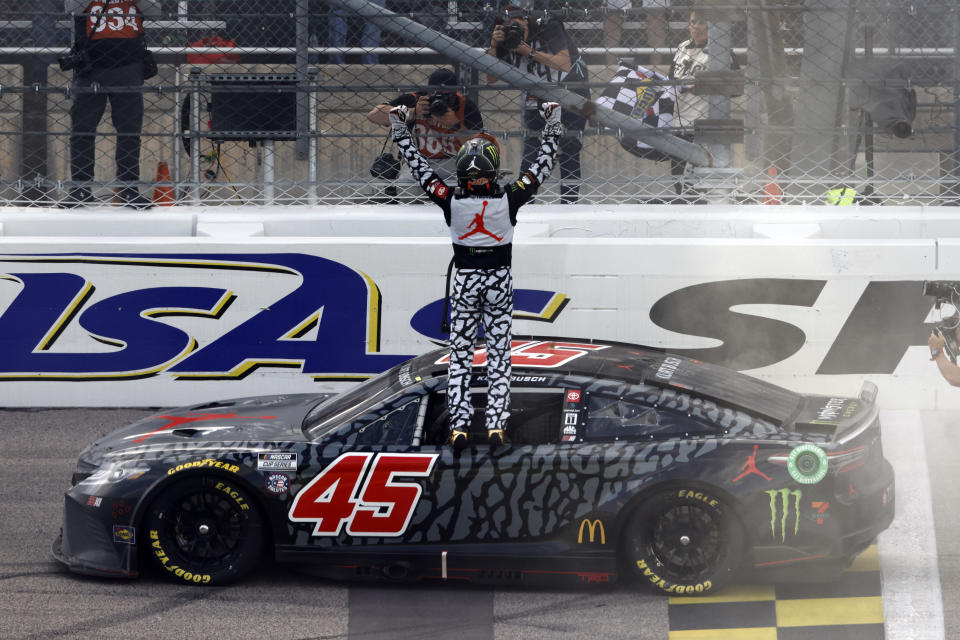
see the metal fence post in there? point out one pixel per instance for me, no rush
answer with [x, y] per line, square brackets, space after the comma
[195, 136]
[303, 106]
[955, 187]
[313, 159]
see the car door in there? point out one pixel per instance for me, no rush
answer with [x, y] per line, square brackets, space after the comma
[388, 477]
[534, 489]
[665, 435]
[364, 479]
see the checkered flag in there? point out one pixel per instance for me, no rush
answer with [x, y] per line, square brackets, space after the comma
[651, 104]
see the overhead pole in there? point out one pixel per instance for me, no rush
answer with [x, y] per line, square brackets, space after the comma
[482, 61]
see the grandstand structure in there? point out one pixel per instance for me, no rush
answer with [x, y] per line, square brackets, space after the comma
[265, 103]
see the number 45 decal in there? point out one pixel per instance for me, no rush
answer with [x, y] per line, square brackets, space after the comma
[370, 504]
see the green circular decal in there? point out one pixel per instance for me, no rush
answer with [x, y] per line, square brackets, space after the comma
[807, 464]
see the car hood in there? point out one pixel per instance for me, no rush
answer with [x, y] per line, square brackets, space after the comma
[277, 417]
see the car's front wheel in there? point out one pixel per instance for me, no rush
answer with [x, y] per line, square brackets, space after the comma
[204, 530]
[684, 541]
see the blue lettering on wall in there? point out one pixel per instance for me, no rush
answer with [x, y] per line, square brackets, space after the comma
[143, 346]
[345, 346]
[528, 304]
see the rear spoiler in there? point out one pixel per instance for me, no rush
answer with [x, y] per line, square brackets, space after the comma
[844, 429]
[868, 392]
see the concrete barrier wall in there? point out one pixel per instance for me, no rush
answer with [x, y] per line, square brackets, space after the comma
[180, 306]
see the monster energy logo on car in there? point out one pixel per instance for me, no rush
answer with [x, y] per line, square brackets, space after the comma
[780, 499]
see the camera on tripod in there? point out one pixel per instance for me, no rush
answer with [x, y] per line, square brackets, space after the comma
[441, 102]
[946, 291]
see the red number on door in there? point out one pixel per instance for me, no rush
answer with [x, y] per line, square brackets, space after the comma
[384, 506]
[328, 499]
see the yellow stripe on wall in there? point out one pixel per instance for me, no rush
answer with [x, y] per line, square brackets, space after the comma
[814, 612]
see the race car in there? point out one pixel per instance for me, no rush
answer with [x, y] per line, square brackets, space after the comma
[620, 459]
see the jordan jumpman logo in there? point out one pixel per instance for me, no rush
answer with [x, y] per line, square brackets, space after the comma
[750, 466]
[478, 227]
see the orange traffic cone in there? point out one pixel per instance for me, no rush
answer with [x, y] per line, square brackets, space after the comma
[772, 191]
[163, 192]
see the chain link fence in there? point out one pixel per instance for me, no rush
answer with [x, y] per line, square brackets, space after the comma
[790, 101]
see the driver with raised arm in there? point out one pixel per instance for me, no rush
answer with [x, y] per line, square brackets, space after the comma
[481, 215]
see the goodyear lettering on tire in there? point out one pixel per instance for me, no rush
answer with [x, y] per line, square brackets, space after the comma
[207, 463]
[186, 576]
[672, 587]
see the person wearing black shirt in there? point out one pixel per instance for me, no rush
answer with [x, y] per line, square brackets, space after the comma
[111, 32]
[439, 135]
[547, 51]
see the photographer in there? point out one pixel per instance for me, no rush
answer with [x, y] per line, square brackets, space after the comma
[545, 49]
[945, 338]
[443, 119]
[107, 64]
[948, 369]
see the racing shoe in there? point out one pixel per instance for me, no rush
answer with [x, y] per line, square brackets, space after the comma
[496, 438]
[131, 198]
[458, 439]
[80, 197]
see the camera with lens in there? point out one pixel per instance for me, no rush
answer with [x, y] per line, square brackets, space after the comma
[512, 37]
[385, 167]
[942, 290]
[946, 291]
[77, 59]
[441, 102]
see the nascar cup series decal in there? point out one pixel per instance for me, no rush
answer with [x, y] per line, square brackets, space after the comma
[358, 490]
[277, 461]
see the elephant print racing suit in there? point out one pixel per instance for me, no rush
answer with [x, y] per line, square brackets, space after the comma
[481, 228]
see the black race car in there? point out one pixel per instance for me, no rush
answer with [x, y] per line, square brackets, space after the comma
[618, 457]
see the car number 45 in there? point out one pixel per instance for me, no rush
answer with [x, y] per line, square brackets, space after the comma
[363, 495]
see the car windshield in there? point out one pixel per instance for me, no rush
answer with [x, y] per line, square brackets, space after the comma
[327, 415]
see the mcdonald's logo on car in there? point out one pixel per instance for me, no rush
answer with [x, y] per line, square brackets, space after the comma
[592, 526]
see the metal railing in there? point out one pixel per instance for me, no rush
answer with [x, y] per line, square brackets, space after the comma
[796, 100]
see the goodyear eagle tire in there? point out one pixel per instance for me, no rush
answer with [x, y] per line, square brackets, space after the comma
[204, 531]
[684, 541]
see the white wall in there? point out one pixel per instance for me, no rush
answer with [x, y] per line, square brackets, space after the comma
[102, 308]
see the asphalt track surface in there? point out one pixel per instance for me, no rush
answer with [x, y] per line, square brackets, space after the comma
[919, 560]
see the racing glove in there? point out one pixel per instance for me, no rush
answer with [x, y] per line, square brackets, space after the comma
[539, 170]
[551, 113]
[400, 133]
[398, 123]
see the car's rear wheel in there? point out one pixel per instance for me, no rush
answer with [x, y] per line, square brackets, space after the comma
[204, 530]
[684, 541]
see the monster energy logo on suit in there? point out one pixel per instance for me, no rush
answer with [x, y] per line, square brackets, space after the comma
[780, 499]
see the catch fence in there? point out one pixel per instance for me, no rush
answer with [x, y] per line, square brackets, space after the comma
[793, 101]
